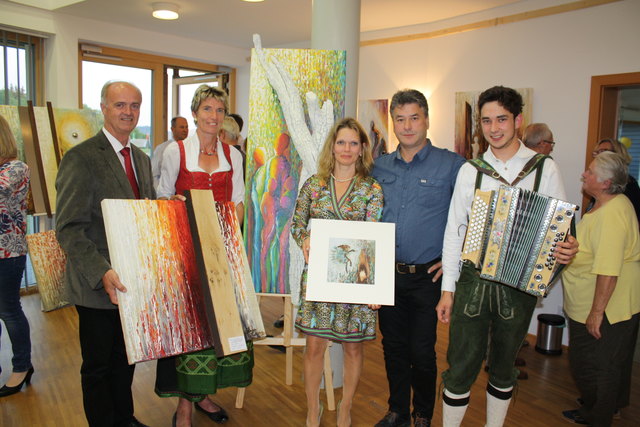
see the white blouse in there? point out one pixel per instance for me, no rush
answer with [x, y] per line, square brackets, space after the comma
[171, 167]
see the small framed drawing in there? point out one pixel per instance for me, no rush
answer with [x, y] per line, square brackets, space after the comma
[351, 262]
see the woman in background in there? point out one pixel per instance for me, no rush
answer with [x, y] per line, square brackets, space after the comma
[342, 189]
[601, 293]
[14, 185]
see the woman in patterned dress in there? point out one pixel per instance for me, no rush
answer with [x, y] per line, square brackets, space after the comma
[342, 189]
[202, 161]
[14, 185]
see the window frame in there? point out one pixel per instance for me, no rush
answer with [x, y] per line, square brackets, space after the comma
[158, 65]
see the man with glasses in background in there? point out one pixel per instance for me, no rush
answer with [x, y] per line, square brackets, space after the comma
[539, 138]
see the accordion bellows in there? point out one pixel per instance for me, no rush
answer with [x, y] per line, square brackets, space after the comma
[512, 235]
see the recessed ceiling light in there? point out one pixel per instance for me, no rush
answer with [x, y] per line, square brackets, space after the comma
[253, 1]
[165, 10]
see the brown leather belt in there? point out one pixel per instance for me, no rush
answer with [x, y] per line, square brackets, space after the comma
[402, 268]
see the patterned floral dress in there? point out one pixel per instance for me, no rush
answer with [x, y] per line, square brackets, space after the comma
[317, 199]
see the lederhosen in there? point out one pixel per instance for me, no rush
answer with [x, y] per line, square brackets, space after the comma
[481, 307]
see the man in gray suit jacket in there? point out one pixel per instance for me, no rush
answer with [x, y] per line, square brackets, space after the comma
[106, 166]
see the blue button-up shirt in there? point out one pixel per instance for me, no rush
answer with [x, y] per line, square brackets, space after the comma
[416, 198]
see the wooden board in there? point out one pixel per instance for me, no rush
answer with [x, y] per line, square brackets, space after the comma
[221, 309]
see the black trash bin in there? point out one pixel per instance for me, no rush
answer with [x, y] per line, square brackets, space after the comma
[549, 339]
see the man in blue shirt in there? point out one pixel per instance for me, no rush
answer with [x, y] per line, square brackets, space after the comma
[418, 180]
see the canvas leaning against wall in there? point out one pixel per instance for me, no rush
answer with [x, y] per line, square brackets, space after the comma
[273, 165]
[469, 141]
[373, 114]
[49, 264]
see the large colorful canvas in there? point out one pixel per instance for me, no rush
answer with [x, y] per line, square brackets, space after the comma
[75, 125]
[47, 153]
[374, 116]
[151, 248]
[273, 164]
[240, 272]
[48, 261]
[469, 141]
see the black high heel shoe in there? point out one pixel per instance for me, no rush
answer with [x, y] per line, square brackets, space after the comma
[8, 391]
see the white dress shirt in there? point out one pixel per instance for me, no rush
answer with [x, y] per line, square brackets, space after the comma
[117, 147]
[460, 208]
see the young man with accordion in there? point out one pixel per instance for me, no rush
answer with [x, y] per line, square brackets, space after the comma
[483, 311]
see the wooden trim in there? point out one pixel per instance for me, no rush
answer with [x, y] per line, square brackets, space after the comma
[603, 90]
[488, 23]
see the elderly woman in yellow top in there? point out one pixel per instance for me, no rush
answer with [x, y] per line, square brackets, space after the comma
[601, 292]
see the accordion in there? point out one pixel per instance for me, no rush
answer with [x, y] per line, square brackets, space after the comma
[512, 235]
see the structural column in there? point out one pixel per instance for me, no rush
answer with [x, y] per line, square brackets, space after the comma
[336, 26]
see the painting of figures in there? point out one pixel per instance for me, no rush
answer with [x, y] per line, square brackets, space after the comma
[48, 261]
[274, 161]
[240, 273]
[469, 141]
[351, 262]
[374, 116]
[151, 249]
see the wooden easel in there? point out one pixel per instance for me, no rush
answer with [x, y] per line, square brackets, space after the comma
[288, 341]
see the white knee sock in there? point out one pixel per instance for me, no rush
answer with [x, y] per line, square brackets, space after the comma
[453, 408]
[498, 400]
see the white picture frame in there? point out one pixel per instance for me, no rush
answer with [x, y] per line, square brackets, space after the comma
[351, 262]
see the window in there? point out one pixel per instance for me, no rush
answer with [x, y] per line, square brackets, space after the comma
[20, 81]
[20, 68]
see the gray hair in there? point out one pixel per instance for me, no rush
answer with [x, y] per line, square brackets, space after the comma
[612, 167]
[230, 126]
[107, 85]
[535, 133]
[409, 96]
[204, 92]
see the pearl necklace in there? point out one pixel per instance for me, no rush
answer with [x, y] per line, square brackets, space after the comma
[342, 180]
[206, 153]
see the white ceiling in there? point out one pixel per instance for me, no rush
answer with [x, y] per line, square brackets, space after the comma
[279, 22]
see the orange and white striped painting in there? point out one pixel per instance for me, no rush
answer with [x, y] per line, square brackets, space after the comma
[151, 249]
[240, 271]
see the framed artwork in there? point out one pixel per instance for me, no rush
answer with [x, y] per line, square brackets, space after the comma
[351, 262]
[469, 141]
[373, 114]
[274, 165]
[49, 264]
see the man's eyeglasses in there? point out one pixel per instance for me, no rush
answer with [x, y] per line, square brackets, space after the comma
[549, 142]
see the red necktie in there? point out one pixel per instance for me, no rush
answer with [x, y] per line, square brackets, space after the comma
[129, 169]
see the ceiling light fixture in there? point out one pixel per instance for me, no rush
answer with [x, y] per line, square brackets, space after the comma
[253, 1]
[163, 10]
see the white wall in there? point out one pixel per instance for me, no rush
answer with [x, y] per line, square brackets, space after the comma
[555, 55]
